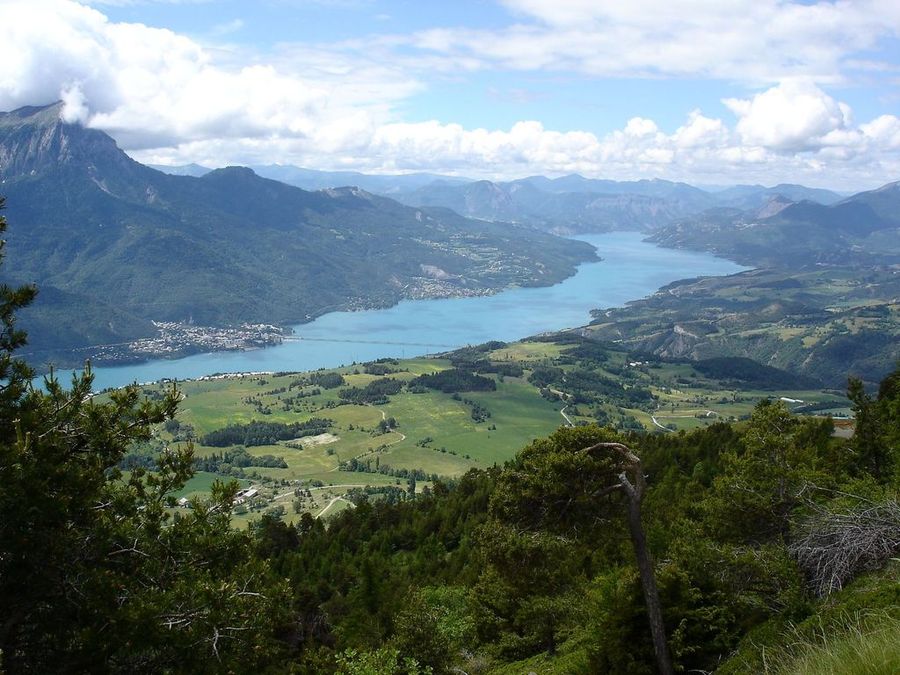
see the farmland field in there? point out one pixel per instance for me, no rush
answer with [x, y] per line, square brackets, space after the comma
[429, 434]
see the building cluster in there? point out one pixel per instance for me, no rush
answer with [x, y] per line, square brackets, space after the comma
[423, 288]
[179, 339]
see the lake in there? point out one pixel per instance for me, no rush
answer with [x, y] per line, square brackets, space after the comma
[630, 269]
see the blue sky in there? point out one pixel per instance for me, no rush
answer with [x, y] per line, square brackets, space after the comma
[706, 91]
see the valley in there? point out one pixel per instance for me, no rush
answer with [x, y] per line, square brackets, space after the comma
[534, 388]
[822, 323]
[493, 337]
[128, 245]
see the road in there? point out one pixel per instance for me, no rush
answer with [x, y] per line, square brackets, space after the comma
[332, 503]
[567, 418]
[709, 413]
[399, 440]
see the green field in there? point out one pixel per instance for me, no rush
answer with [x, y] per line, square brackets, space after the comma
[437, 433]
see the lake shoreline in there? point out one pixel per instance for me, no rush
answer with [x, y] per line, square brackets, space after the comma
[629, 269]
[128, 356]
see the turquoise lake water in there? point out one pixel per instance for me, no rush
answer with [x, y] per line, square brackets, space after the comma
[630, 269]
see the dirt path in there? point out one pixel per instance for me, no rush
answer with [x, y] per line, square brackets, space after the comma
[334, 501]
[384, 419]
[394, 442]
[667, 429]
[656, 422]
[709, 413]
[564, 397]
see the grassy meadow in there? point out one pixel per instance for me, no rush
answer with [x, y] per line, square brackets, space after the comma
[437, 432]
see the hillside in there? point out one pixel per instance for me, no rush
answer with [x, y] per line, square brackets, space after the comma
[469, 409]
[525, 568]
[756, 196]
[861, 230]
[568, 204]
[822, 323]
[229, 247]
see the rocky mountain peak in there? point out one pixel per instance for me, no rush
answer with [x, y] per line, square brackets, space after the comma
[35, 139]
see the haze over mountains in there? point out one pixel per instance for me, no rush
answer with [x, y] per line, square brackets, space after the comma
[568, 204]
[786, 224]
[863, 229]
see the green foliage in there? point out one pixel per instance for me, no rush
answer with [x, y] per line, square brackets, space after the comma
[236, 458]
[436, 624]
[455, 380]
[264, 433]
[327, 380]
[747, 373]
[555, 483]
[374, 393]
[587, 386]
[525, 590]
[93, 569]
[381, 367]
[14, 373]
[875, 445]
[762, 483]
[384, 661]
[858, 612]
[868, 648]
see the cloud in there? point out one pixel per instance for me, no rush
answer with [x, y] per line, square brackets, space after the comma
[74, 105]
[794, 116]
[884, 131]
[703, 149]
[168, 99]
[151, 87]
[700, 131]
[227, 27]
[750, 40]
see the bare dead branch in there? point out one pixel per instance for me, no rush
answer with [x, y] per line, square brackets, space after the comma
[834, 547]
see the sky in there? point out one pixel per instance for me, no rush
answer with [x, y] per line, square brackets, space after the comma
[711, 92]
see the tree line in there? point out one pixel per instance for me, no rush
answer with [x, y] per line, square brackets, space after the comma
[264, 433]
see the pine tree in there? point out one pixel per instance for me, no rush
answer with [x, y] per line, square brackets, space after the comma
[95, 574]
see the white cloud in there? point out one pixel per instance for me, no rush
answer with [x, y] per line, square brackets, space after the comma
[701, 131]
[884, 130]
[227, 27]
[74, 105]
[795, 115]
[168, 99]
[151, 87]
[757, 40]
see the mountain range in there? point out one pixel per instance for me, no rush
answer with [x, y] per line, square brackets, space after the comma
[782, 225]
[113, 244]
[565, 205]
[863, 230]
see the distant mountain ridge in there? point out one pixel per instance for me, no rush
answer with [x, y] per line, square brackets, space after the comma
[134, 244]
[863, 229]
[756, 196]
[314, 179]
[568, 204]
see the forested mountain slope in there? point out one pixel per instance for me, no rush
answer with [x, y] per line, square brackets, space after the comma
[135, 244]
[862, 230]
